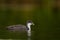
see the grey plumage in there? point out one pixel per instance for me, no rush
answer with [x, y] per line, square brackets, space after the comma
[19, 27]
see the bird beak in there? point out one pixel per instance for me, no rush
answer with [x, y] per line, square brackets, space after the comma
[33, 24]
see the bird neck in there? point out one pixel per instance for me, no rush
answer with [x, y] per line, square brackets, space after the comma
[29, 30]
[29, 27]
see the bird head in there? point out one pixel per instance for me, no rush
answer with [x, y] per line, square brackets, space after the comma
[29, 22]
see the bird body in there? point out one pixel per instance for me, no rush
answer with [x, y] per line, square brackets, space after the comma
[19, 28]
[22, 28]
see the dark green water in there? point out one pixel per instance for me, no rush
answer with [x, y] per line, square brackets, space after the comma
[47, 26]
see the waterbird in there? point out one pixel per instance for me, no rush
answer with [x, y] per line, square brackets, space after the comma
[22, 28]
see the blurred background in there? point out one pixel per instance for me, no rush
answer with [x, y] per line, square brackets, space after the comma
[44, 13]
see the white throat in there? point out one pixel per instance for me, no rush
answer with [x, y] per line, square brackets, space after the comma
[29, 31]
[29, 26]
